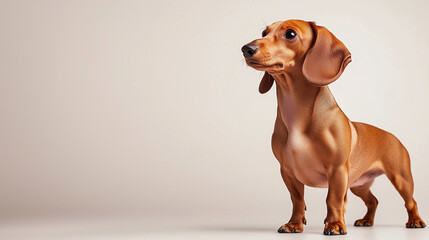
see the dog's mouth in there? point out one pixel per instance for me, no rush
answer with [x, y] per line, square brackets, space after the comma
[258, 65]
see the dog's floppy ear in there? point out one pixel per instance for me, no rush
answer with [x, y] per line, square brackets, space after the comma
[326, 59]
[266, 83]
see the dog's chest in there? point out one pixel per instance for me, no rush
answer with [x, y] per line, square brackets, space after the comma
[301, 158]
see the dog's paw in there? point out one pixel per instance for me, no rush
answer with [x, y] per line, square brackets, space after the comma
[415, 223]
[335, 228]
[364, 223]
[291, 227]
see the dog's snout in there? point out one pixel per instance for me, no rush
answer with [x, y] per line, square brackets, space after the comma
[249, 50]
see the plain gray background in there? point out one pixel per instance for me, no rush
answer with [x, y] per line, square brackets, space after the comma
[147, 109]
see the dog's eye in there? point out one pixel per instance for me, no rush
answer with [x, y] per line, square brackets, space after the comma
[264, 33]
[290, 34]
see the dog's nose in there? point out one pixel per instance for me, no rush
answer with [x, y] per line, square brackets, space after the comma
[249, 50]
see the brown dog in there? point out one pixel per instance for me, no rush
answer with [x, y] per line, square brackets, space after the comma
[314, 141]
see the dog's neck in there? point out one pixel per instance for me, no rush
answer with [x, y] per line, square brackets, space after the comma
[298, 100]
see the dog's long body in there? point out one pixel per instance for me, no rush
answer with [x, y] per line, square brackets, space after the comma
[313, 140]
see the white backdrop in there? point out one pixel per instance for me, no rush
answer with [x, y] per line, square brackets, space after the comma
[146, 108]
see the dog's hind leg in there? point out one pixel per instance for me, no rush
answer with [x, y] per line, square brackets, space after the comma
[399, 173]
[296, 190]
[370, 201]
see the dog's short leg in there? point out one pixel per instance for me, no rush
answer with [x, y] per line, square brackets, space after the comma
[401, 178]
[296, 190]
[334, 222]
[370, 201]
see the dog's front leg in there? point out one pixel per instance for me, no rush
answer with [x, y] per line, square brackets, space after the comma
[296, 190]
[336, 200]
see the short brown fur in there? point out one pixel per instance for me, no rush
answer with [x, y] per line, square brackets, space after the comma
[313, 140]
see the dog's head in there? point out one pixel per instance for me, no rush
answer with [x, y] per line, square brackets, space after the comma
[297, 46]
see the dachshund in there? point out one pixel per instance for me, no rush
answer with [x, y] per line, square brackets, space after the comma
[313, 140]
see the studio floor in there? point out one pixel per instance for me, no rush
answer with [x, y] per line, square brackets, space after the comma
[167, 228]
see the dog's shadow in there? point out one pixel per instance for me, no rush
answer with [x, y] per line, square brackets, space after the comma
[312, 230]
[247, 229]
